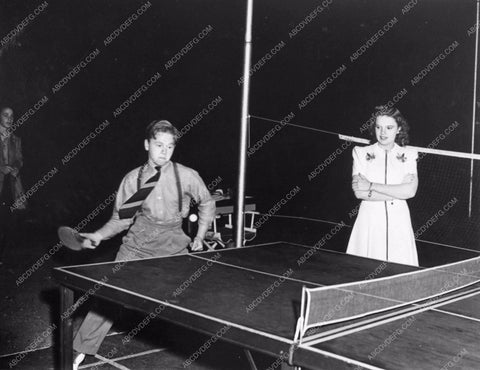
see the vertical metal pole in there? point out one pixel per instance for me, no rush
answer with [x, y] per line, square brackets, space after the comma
[474, 111]
[242, 161]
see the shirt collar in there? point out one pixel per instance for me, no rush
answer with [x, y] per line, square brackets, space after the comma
[395, 150]
[151, 166]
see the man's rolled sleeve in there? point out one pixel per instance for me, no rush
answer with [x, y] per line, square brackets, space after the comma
[206, 211]
[206, 204]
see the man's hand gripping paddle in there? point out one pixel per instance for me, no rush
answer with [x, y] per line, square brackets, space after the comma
[71, 239]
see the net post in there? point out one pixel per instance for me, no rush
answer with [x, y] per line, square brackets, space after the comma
[242, 161]
[470, 199]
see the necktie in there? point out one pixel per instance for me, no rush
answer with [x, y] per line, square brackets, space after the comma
[134, 203]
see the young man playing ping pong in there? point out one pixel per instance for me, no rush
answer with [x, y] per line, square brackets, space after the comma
[150, 203]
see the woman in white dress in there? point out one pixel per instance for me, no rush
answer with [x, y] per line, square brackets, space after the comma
[384, 176]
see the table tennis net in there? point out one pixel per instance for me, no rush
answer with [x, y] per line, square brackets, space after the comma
[344, 302]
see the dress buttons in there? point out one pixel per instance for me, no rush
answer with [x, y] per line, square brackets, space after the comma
[391, 203]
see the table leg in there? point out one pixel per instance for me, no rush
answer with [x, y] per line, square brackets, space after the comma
[250, 359]
[286, 366]
[66, 329]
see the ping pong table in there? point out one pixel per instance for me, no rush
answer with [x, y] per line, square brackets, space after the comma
[255, 292]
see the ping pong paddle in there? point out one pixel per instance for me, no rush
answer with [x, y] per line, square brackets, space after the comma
[71, 239]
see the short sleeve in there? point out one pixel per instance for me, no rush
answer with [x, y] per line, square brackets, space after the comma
[358, 164]
[411, 162]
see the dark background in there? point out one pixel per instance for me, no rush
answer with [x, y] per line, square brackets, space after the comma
[67, 31]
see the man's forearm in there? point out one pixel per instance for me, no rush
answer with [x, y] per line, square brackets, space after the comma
[206, 214]
[113, 227]
[202, 230]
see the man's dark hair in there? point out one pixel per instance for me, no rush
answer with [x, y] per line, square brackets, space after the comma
[161, 126]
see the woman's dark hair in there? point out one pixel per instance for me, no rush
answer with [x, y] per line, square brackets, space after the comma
[402, 138]
[161, 126]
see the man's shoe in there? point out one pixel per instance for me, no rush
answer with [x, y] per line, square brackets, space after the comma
[77, 360]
